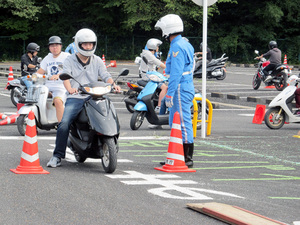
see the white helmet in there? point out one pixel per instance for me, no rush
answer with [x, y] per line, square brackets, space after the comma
[85, 35]
[153, 43]
[169, 24]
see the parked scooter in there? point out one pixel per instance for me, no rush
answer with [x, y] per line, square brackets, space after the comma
[280, 75]
[215, 68]
[18, 88]
[280, 108]
[131, 95]
[145, 106]
[95, 132]
[37, 101]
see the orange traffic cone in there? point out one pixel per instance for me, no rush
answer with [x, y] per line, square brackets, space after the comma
[2, 116]
[113, 63]
[9, 119]
[285, 60]
[10, 76]
[175, 162]
[103, 59]
[30, 162]
[259, 114]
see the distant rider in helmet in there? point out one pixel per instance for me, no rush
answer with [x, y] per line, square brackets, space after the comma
[29, 62]
[208, 56]
[85, 67]
[52, 65]
[274, 55]
[150, 63]
[181, 88]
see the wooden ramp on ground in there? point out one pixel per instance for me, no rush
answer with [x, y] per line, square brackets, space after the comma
[232, 214]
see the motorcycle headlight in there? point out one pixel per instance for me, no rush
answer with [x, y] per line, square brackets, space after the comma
[98, 90]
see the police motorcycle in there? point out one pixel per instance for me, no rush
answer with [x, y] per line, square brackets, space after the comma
[17, 87]
[215, 68]
[279, 75]
[280, 108]
[95, 132]
[145, 107]
[37, 100]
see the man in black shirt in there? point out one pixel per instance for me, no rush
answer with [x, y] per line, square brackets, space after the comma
[29, 62]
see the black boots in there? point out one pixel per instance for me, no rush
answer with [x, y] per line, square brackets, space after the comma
[188, 150]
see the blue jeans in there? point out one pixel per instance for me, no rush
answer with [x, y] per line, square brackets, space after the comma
[26, 82]
[73, 107]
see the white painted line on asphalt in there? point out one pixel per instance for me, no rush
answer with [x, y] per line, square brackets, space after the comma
[121, 138]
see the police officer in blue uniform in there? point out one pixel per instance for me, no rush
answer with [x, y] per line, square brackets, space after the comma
[179, 66]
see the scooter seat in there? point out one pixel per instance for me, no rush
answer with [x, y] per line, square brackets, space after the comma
[142, 83]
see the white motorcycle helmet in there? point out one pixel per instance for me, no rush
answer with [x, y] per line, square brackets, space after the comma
[153, 43]
[169, 24]
[85, 35]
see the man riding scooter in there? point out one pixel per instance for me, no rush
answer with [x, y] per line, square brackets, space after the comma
[52, 66]
[85, 67]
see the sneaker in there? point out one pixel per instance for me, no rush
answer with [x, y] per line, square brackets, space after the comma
[157, 109]
[268, 78]
[162, 163]
[297, 112]
[54, 162]
[152, 126]
[189, 163]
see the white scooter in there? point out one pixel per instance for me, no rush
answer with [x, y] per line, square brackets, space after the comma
[37, 100]
[280, 108]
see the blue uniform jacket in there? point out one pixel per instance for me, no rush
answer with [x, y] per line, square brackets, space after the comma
[179, 63]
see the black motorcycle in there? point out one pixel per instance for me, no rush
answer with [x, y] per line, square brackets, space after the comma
[95, 132]
[214, 69]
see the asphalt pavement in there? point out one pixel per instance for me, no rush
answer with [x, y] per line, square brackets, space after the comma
[240, 163]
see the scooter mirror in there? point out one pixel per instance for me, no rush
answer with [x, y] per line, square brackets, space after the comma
[39, 60]
[256, 52]
[65, 76]
[124, 72]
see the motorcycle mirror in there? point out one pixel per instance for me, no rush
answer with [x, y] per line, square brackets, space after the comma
[39, 60]
[124, 72]
[65, 76]
[256, 52]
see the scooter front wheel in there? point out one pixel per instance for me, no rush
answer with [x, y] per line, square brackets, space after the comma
[273, 119]
[109, 159]
[256, 82]
[137, 119]
[15, 95]
[22, 123]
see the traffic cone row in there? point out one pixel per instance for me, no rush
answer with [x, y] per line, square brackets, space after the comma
[175, 161]
[30, 162]
[10, 76]
[113, 63]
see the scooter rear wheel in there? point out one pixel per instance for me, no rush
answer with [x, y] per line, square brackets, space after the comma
[283, 82]
[223, 76]
[137, 119]
[273, 120]
[109, 159]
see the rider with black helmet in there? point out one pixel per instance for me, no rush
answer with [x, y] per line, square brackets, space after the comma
[274, 55]
[29, 62]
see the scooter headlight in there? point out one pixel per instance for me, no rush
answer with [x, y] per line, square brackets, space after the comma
[98, 90]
